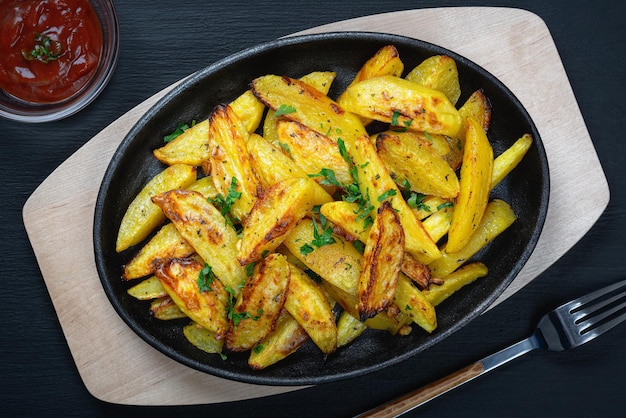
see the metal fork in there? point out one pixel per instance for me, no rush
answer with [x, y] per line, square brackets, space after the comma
[567, 326]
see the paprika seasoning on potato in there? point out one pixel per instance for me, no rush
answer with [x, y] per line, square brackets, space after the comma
[49, 49]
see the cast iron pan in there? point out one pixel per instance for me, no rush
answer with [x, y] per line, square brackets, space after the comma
[526, 189]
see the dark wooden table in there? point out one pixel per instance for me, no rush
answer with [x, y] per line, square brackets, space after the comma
[163, 41]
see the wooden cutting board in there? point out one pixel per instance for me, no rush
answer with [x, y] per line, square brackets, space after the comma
[119, 367]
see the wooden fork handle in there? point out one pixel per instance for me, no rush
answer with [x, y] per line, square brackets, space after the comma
[416, 398]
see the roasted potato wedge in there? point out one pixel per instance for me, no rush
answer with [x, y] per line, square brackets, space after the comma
[202, 338]
[274, 215]
[416, 271]
[148, 289]
[143, 216]
[307, 303]
[164, 309]
[190, 148]
[454, 281]
[382, 261]
[345, 215]
[205, 187]
[259, 304]
[348, 329]
[287, 336]
[312, 151]
[229, 160]
[386, 61]
[438, 72]
[207, 231]
[412, 302]
[272, 166]
[403, 104]
[497, 218]
[337, 262]
[510, 158]
[166, 243]
[475, 185]
[249, 110]
[478, 107]
[208, 308]
[308, 106]
[319, 80]
[418, 164]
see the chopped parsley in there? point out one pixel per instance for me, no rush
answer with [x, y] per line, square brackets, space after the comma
[329, 177]
[180, 128]
[206, 278]
[285, 147]
[224, 204]
[325, 237]
[395, 122]
[387, 194]
[284, 109]
[45, 49]
[353, 191]
[416, 201]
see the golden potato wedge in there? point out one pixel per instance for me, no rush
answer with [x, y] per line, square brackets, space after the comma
[166, 243]
[428, 205]
[510, 158]
[403, 104]
[448, 148]
[229, 160]
[254, 315]
[497, 218]
[320, 80]
[386, 61]
[202, 338]
[348, 329]
[142, 215]
[308, 106]
[478, 107]
[147, 289]
[205, 187]
[412, 302]
[165, 309]
[438, 72]
[285, 339]
[274, 215]
[438, 224]
[207, 231]
[475, 185]
[337, 262]
[307, 303]
[418, 164]
[454, 281]
[346, 216]
[376, 183]
[208, 308]
[191, 147]
[382, 261]
[312, 151]
[249, 110]
[416, 271]
[272, 166]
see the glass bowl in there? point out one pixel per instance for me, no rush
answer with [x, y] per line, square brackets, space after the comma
[18, 110]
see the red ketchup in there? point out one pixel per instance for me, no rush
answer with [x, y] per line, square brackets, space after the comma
[49, 49]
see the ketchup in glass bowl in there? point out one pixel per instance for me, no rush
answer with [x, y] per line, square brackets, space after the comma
[56, 56]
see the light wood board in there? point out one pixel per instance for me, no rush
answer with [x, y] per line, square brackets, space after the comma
[119, 367]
